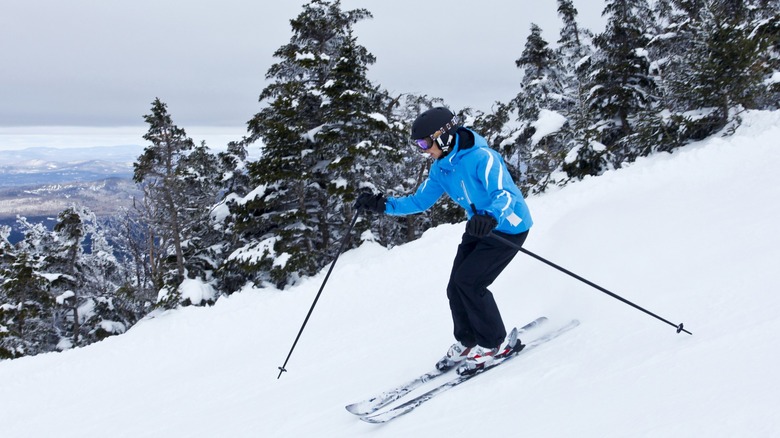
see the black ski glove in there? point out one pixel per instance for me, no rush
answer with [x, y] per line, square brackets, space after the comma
[371, 202]
[480, 225]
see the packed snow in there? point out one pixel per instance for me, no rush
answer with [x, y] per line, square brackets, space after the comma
[691, 236]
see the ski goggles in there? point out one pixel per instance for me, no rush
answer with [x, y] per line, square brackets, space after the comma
[427, 142]
[424, 143]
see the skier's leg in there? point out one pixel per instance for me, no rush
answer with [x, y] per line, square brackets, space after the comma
[469, 281]
[460, 319]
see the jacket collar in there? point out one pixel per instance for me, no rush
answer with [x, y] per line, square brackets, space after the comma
[462, 148]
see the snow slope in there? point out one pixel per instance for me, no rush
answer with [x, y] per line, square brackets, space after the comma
[691, 236]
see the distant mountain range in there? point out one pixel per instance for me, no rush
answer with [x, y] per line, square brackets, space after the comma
[41, 182]
[104, 197]
[39, 166]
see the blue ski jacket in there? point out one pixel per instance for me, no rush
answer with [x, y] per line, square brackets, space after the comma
[476, 178]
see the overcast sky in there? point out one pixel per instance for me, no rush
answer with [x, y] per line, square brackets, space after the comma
[100, 63]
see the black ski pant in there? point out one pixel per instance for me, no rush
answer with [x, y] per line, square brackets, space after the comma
[477, 264]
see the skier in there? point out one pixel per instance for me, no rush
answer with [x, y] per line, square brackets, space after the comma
[475, 177]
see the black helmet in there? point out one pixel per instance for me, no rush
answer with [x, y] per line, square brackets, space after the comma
[435, 119]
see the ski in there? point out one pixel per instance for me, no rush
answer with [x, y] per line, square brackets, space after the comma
[377, 402]
[412, 404]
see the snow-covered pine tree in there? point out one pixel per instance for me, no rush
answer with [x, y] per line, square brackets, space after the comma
[85, 277]
[575, 49]
[200, 175]
[676, 43]
[156, 170]
[235, 184]
[311, 120]
[61, 287]
[539, 148]
[26, 307]
[7, 258]
[109, 309]
[660, 127]
[180, 183]
[232, 162]
[766, 29]
[131, 239]
[61, 265]
[720, 68]
[620, 87]
[361, 142]
[6, 249]
[10, 343]
[554, 82]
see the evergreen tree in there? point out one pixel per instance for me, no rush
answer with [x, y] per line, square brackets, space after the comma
[707, 65]
[27, 307]
[232, 162]
[180, 183]
[542, 99]
[8, 341]
[722, 61]
[85, 279]
[575, 49]
[62, 265]
[111, 308]
[156, 170]
[199, 177]
[766, 30]
[60, 287]
[361, 142]
[25, 311]
[323, 126]
[620, 68]
[620, 88]
[574, 45]
[542, 85]
[658, 127]
[135, 244]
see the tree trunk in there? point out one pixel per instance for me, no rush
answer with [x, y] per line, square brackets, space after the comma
[76, 326]
[176, 231]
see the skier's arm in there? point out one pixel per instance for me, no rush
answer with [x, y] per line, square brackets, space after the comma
[425, 196]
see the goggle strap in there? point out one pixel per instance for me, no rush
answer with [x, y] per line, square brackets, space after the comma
[451, 124]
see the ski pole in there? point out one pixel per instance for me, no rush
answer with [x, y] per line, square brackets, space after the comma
[344, 242]
[588, 282]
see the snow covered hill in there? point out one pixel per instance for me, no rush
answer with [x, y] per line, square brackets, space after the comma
[691, 236]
